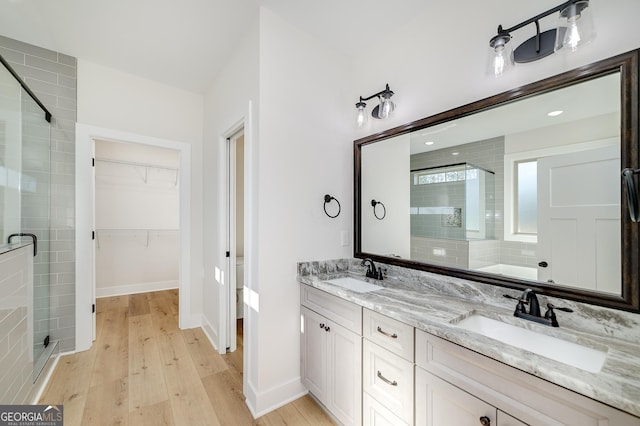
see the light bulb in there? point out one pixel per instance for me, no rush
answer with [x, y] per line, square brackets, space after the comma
[500, 55]
[575, 26]
[361, 114]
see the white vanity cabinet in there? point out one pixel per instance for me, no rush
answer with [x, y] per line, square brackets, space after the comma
[387, 371]
[455, 385]
[331, 353]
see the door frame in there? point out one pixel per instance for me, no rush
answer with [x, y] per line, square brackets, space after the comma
[85, 225]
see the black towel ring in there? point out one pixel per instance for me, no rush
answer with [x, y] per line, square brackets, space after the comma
[374, 203]
[327, 199]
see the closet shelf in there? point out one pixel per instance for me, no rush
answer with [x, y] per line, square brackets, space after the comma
[146, 166]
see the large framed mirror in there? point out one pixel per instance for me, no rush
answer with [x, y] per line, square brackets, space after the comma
[522, 189]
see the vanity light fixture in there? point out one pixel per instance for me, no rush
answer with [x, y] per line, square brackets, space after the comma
[575, 28]
[381, 111]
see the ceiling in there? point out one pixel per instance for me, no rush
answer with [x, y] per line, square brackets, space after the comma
[185, 43]
[578, 102]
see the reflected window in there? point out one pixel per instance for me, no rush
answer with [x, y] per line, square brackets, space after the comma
[527, 197]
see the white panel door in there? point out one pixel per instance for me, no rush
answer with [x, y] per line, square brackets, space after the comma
[345, 365]
[579, 219]
[313, 351]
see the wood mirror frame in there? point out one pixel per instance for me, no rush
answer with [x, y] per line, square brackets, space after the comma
[627, 65]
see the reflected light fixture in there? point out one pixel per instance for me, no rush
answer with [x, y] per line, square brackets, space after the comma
[380, 111]
[555, 113]
[575, 28]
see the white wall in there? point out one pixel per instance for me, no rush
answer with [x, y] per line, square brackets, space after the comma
[230, 102]
[305, 152]
[290, 92]
[114, 100]
[437, 61]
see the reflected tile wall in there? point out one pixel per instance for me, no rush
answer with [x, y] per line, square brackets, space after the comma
[52, 77]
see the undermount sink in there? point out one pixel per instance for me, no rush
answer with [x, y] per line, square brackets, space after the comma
[354, 284]
[579, 356]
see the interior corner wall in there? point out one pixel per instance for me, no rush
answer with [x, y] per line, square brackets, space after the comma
[115, 100]
[52, 77]
[429, 76]
[230, 101]
[306, 145]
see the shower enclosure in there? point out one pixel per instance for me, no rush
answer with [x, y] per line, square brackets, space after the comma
[25, 167]
[455, 201]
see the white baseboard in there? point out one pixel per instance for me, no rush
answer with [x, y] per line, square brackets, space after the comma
[261, 403]
[121, 290]
[211, 333]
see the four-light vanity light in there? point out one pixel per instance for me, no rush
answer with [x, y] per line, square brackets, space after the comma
[575, 28]
[383, 110]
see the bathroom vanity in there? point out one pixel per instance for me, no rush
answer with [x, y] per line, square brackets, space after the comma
[400, 353]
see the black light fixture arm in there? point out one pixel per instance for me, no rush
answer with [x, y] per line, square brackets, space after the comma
[536, 18]
[386, 90]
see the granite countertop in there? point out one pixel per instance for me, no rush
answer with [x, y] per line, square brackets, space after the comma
[424, 301]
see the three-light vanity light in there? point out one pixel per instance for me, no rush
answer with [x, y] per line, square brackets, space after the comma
[381, 111]
[575, 28]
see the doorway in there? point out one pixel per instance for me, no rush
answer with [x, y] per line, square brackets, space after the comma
[235, 240]
[137, 229]
[86, 230]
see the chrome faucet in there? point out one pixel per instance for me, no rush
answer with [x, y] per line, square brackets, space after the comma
[529, 298]
[372, 272]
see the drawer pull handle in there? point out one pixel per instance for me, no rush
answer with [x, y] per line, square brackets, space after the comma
[485, 421]
[387, 381]
[381, 331]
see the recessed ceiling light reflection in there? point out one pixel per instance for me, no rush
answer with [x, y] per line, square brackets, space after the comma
[429, 143]
[554, 113]
[455, 153]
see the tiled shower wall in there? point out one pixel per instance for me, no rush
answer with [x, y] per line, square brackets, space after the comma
[52, 77]
[16, 364]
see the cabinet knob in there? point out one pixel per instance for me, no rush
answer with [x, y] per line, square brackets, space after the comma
[321, 325]
[327, 328]
[485, 421]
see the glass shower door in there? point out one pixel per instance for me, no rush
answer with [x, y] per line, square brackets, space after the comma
[35, 219]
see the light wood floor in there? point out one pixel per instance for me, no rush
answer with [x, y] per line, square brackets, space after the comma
[143, 370]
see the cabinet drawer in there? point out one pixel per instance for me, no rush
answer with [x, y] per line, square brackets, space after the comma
[347, 314]
[389, 333]
[388, 378]
[376, 414]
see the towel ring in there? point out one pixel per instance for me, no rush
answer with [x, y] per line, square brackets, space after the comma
[327, 199]
[374, 204]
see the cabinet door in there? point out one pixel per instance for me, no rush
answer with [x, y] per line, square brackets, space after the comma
[313, 353]
[345, 374]
[440, 403]
[506, 420]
